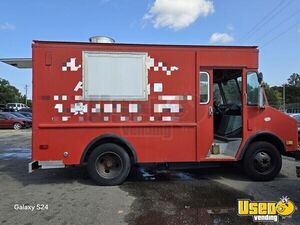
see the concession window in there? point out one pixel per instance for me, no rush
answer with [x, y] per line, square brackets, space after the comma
[120, 76]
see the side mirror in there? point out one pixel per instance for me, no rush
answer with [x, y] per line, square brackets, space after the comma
[260, 77]
[261, 101]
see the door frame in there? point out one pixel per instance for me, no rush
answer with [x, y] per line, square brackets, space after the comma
[202, 151]
[205, 132]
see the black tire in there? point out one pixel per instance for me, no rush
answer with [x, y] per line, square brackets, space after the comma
[109, 164]
[262, 161]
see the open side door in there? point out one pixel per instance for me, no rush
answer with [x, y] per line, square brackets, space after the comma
[205, 119]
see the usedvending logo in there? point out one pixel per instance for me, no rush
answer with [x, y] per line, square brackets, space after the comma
[264, 211]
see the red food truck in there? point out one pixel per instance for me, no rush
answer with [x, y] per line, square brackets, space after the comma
[110, 106]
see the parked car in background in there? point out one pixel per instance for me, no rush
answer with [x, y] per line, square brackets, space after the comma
[8, 120]
[27, 121]
[297, 117]
[17, 114]
[16, 106]
[8, 110]
[27, 114]
[2, 107]
[28, 109]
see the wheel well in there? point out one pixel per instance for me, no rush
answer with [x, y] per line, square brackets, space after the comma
[109, 138]
[266, 137]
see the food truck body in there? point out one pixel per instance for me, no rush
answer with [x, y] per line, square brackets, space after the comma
[111, 106]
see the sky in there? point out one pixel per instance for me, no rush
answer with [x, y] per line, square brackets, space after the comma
[272, 25]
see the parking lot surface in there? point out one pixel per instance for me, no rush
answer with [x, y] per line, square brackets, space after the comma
[68, 196]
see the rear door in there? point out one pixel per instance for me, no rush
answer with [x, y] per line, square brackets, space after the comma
[204, 112]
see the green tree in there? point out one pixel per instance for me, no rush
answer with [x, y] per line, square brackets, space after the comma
[274, 96]
[9, 93]
[292, 94]
[292, 89]
[294, 80]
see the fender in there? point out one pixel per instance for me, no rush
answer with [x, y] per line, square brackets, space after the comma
[109, 138]
[262, 136]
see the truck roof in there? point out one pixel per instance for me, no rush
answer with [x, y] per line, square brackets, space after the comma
[27, 62]
[142, 44]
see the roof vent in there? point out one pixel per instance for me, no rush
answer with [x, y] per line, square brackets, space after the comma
[101, 39]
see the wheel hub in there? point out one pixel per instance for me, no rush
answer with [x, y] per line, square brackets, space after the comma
[109, 165]
[262, 161]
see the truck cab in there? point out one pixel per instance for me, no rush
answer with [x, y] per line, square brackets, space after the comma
[245, 127]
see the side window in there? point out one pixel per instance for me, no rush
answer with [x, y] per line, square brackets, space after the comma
[204, 88]
[2, 117]
[252, 88]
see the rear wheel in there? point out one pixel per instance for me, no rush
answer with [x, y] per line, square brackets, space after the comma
[109, 164]
[17, 126]
[262, 161]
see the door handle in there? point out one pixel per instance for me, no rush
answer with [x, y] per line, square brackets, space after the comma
[210, 111]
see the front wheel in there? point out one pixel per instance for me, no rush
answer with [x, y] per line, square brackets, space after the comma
[109, 164]
[262, 161]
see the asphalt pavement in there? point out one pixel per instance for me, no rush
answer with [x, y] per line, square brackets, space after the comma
[68, 196]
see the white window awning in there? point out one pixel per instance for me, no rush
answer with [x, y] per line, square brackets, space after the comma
[21, 63]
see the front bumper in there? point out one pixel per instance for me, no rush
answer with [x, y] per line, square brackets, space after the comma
[295, 155]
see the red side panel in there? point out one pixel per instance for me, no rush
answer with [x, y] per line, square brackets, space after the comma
[153, 144]
[168, 135]
[272, 121]
[65, 123]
